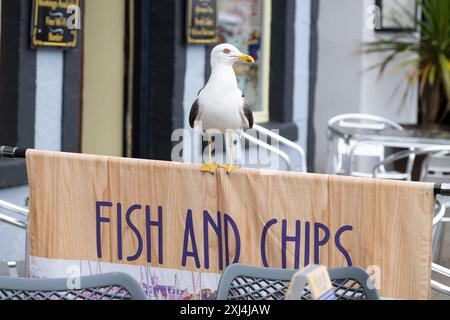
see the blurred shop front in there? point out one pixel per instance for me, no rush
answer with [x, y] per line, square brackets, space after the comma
[172, 50]
[129, 74]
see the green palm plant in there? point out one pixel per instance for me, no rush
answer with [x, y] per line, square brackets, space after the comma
[429, 57]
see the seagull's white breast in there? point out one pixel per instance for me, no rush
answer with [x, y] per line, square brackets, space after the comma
[221, 111]
[220, 104]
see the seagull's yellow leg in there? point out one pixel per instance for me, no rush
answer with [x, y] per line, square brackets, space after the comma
[229, 166]
[209, 166]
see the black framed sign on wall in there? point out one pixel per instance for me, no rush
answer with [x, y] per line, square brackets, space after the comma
[397, 15]
[202, 21]
[55, 23]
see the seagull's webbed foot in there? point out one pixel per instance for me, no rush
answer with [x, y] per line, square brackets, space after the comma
[209, 167]
[230, 167]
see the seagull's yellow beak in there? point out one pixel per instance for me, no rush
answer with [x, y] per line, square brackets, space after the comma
[246, 58]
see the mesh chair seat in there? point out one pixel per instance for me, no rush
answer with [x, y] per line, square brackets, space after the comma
[109, 286]
[253, 288]
[100, 293]
[241, 282]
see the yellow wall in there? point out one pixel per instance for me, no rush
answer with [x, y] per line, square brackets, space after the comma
[103, 79]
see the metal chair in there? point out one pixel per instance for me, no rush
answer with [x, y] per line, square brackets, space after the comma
[438, 219]
[108, 286]
[436, 168]
[16, 209]
[435, 267]
[14, 268]
[243, 282]
[342, 149]
[431, 171]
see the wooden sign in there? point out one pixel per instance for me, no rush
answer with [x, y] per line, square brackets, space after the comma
[202, 21]
[176, 229]
[55, 23]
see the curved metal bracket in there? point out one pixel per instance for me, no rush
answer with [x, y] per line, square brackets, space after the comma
[286, 142]
[12, 207]
[12, 221]
[264, 145]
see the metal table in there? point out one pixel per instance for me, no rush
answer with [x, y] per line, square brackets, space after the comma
[409, 138]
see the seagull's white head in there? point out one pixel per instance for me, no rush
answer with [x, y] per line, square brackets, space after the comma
[227, 54]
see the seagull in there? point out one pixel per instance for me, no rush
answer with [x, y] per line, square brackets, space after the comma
[220, 105]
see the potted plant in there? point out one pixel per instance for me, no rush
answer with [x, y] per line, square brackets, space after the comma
[428, 61]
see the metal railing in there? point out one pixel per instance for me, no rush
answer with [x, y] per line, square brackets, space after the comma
[286, 142]
[270, 148]
[10, 220]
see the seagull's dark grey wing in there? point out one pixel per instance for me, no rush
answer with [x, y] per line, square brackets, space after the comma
[194, 113]
[247, 113]
[195, 110]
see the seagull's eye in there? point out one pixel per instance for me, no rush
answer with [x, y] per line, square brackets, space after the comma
[226, 51]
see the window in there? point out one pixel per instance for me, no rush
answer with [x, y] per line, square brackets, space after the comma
[246, 24]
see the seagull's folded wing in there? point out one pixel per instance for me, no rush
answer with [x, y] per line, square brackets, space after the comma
[247, 115]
